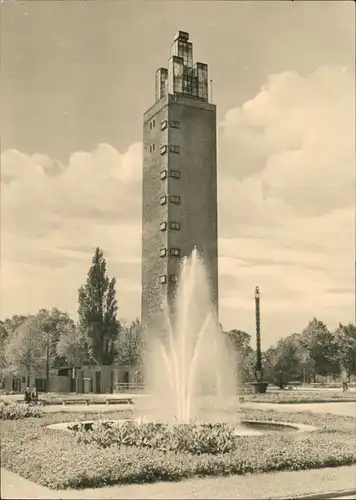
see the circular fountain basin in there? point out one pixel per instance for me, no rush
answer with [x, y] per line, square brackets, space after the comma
[246, 428]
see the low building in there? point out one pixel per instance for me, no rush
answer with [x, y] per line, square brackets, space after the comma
[81, 379]
[58, 381]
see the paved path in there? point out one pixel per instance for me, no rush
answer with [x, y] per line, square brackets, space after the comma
[345, 497]
[257, 486]
[123, 395]
[87, 408]
[348, 409]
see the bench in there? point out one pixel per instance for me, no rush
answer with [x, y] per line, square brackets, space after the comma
[119, 401]
[75, 401]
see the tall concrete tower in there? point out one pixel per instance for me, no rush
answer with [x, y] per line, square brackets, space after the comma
[179, 209]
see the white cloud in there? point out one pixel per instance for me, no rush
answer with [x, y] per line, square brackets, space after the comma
[298, 137]
[53, 217]
[287, 197]
[286, 212]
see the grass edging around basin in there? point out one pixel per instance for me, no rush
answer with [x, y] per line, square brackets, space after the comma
[58, 461]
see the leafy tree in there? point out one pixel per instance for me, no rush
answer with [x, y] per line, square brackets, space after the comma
[249, 366]
[73, 345]
[306, 363]
[345, 346]
[3, 331]
[7, 331]
[129, 345]
[3, 341]
[245, 360]
[97, 311]
[32, 341]
[26, 348]
[11, 324]
[241, 341]
[53, 322]
[319, 342]
[283, 362]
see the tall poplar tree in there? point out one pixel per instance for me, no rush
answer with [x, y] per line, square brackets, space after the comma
[97, 311]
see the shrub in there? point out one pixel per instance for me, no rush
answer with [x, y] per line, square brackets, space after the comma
[192, 438]
[14, 411]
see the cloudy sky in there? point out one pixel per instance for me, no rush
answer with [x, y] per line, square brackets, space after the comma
[76, 79]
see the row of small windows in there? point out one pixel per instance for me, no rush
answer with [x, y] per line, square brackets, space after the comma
[164, 124]
[172, 173]
[173, 148]
[173, 252]
[163, 278]
[173, 225]
[172, 199]
[164, 149]
[173, 124]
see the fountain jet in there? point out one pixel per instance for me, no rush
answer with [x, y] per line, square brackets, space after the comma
[191, 371]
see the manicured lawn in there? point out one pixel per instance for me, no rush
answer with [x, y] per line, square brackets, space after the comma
[55, 459]
[299, 396]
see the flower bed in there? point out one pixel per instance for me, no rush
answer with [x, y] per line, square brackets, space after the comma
[16, 411]
[37, 453]
[192, 438]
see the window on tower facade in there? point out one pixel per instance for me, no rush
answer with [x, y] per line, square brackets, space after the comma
[163, 174]
[163, 226]
[174, 173]
[163, 149]
[174, 199]
[164, 124]
[175, 225]
[173, 148]
[163, 279]
[154, 123]
[163, 200]
[175, 252]
[163, 252]
[175, 124]
[153, 147]
[173, 278]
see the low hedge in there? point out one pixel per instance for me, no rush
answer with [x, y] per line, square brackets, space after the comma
[55, 460]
